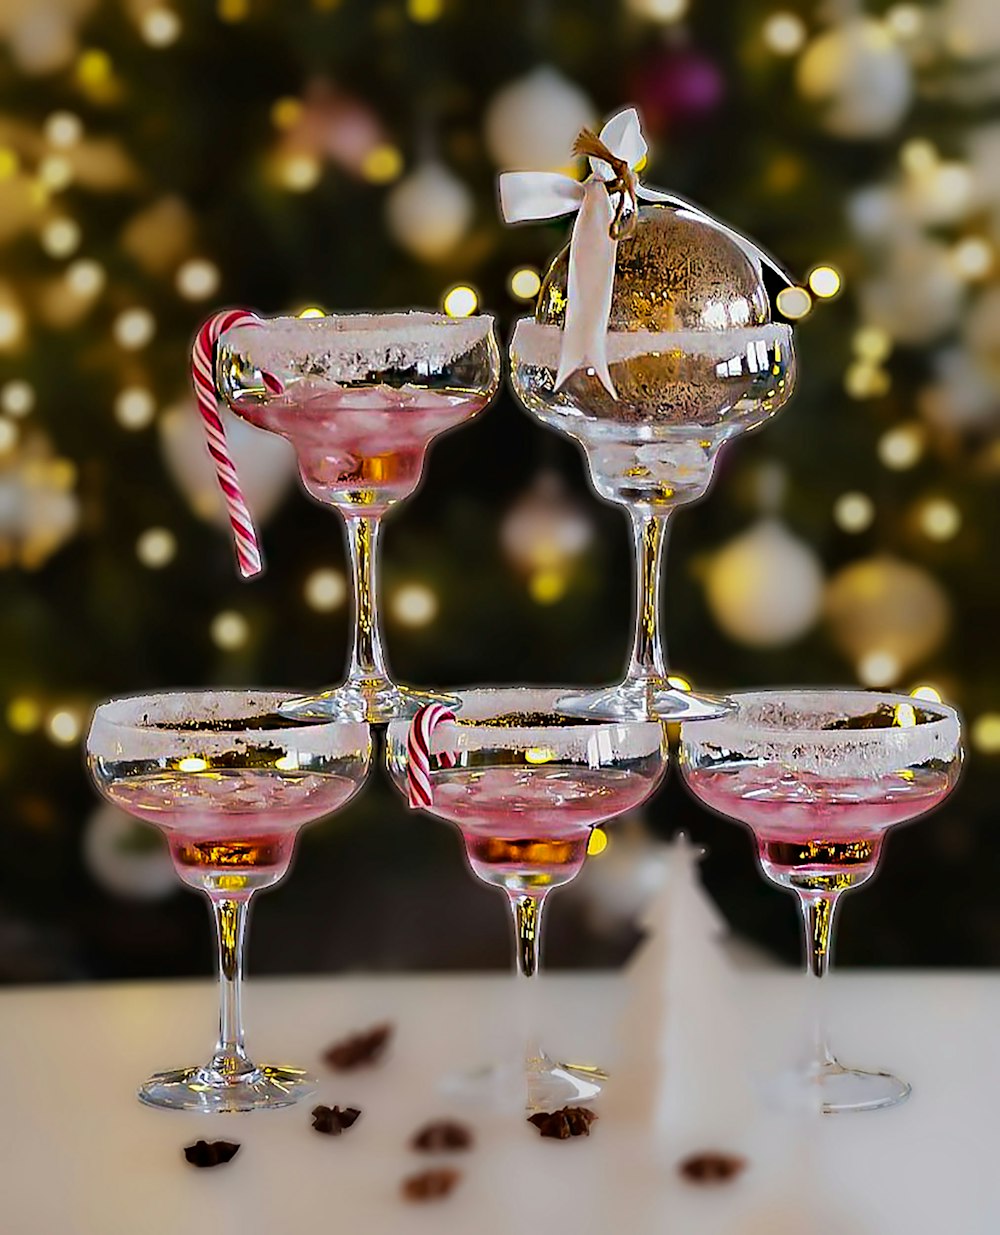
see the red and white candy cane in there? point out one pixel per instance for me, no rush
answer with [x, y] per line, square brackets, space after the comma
[418, 752]
[203, 379]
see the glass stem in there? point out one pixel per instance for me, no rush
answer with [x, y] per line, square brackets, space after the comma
[649, 532]
[230, 1059]
[367, 657]
[527, 912]
[818, 909]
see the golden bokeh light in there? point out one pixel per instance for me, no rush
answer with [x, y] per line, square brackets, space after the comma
[424, 11]
[134, 328]
[940, 519]
[972, 257]
[824, 281]
[985, 733]
[325, 590]
[63, 726]
[878, 668]
[85, 278]
[872, 343]
[461, 301]
[63, 129]
[60, 237]
[547, 587]
[197, 279]
[854, 512]
[863, 380]
[300, 172]
[232, 10]
[11, 325]
[784, 33]
[24, 714]
[382, 164]
[525, 283]
[160, 26]
[414, 604]
[659, 10]
[286, 112]
[134, 407]
[901, 447]
[905, 21]
[17, 397]
[156, 547]
[918, 156]
[794, 303]
[229, 630]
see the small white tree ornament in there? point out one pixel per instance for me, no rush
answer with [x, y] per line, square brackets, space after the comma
[682, 1072]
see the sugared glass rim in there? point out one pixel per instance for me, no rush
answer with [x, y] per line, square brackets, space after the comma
[360, 330]
[566, 733]
[540, 344]
[118, 729]
[734, 729]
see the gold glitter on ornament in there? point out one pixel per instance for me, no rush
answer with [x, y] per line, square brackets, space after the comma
[672, 274]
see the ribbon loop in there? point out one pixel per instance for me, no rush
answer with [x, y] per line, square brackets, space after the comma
[614, 155]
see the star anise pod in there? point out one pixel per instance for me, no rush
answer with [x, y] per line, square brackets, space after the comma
[430, 1185]
[566, 1122]
[442, 1134]
[711, 1167]
[333, 1120]
[211, 1153]
[362, 1048]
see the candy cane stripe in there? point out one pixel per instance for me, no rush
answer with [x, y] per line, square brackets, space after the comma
[418, 748]
[203, 379]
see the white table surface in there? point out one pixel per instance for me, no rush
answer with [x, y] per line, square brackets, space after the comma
[80, 1156]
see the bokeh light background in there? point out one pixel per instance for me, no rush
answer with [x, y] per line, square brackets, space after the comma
[161, 157]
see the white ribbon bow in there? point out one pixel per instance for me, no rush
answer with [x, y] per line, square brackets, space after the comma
[593, 250]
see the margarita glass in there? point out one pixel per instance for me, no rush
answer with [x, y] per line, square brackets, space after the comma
[229, 783]
[680, 395]
[527, 788]
[361, 397]
[819, 776]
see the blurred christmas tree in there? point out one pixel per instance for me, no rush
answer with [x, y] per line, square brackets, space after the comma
[159, 157]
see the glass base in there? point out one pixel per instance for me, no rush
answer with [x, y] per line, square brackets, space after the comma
[552, 1085]
[831, 1088]
[540, 1084]
[644, 699]
[204, 1089]
[376, 700]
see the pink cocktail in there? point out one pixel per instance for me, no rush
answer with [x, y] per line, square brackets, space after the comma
[811, 829]
[819, 776]
[360, 397]
[363, 450]
[526, 790]
[229, 782]
[231, 828]
[528, 828]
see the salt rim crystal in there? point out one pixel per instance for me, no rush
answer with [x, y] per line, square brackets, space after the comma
[583, 743]
[786, 726]
[123, 729]
[348, 347]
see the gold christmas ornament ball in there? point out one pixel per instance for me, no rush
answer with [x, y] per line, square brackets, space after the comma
[671, 274]
[883, 607]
